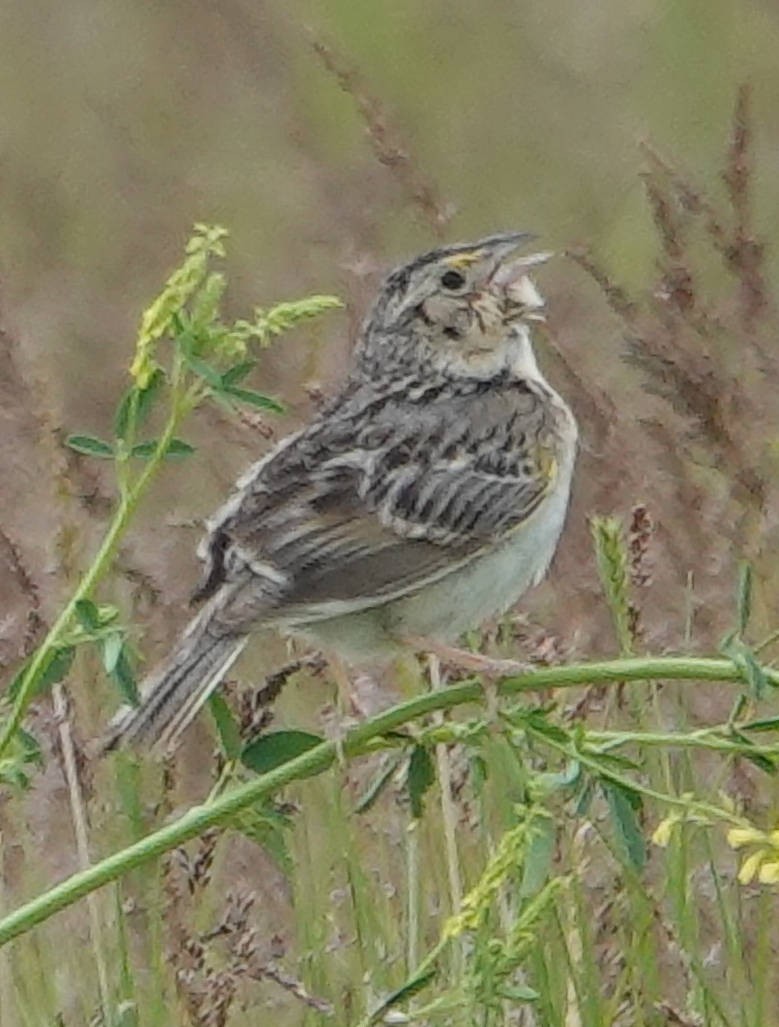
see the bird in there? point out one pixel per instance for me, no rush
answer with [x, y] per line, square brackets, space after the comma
[423, 498]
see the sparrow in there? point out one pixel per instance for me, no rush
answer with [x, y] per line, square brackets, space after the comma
[425, 497]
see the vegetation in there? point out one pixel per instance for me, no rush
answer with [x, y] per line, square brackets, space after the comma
[596, 847]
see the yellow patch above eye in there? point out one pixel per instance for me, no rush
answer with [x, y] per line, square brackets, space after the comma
[462, 260]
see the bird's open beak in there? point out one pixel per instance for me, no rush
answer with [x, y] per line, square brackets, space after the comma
[511, 277]
[503, 272]
[508, 270]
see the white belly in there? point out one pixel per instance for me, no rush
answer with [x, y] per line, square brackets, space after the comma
[492, 583]
[482, 589]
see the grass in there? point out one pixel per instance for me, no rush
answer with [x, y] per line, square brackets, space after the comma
[595, 852]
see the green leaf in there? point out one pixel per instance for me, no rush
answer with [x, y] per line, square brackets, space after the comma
[760, 760]
[518, 993]
[124, 676]
[767, 763]
[764, 724]
[178, 447]
[538, 857]
[623, 805]
[407, 990]
[743, 657]
[376, 786]
[756, 679]
[271, 750]
[88, 615]
[112, 647]
[54, 668]
[23, 752]
[29, 745]
[209, 374]
[237, 373]
[584, 797]
[93, 619]
[614, 761]
[479, 769]
[267, 826]
[13, 774]
[554, 781]
[175, 448]
[142, 398]
[107, 613]
[740, 704]
[57, 667]
[90, 446]
[226, 725]
[420, 776]
[253, 399]
[538, 720]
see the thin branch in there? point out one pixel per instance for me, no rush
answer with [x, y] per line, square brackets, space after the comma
[367, 737]
[78, 813]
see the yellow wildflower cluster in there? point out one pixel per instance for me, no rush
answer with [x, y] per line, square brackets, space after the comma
[763, 862]
[506, 861]
[186, 280]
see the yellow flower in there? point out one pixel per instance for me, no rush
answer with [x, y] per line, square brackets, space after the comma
[662, 833]
[750, 866]
[769, 872]
[738, 837]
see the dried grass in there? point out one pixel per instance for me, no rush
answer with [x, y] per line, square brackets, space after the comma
[389, 147]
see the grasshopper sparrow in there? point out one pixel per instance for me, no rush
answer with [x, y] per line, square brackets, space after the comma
[424, 498]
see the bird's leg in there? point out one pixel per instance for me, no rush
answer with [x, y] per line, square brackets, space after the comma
[489, 668]
[348, 707]
[463, 659]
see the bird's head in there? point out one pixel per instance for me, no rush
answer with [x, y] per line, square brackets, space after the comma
[463, 310]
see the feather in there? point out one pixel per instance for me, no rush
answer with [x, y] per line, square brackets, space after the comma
[175, 691]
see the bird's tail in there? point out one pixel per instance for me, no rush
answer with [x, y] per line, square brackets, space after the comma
[175, 691]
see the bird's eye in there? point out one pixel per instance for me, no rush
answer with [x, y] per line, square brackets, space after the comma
[452, 280]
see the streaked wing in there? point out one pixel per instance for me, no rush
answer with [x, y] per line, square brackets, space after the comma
[347, 557]
[361, 510]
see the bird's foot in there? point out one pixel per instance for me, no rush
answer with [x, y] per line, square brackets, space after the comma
[489, 668]
[451, 656]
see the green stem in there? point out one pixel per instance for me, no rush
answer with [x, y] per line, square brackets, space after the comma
[714, 739]
[769, 640]
[359, 740]
[591, 761]
[127, 505]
